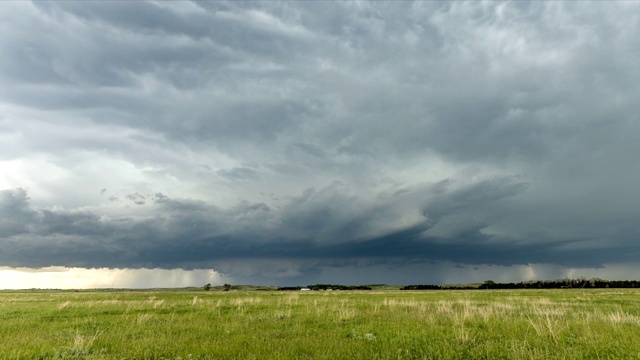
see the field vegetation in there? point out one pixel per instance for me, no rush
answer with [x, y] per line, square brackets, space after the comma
[376, 324]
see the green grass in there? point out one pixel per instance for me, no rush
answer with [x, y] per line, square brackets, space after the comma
[456, 324]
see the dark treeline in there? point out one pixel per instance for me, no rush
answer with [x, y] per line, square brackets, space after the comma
[579, 283]
[327, 287]
[422, 287]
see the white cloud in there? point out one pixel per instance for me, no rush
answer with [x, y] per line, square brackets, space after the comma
[58, 277]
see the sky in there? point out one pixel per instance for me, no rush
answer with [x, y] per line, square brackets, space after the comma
[150, 143]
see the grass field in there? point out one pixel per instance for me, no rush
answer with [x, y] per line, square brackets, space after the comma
[456, 324]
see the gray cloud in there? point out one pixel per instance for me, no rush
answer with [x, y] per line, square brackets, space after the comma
[306, 137]
[192, 233]
[137, 198]
[15, 213]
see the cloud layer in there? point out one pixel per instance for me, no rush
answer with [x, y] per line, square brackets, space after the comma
[286, 142]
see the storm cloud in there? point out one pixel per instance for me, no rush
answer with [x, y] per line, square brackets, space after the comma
[331, 141]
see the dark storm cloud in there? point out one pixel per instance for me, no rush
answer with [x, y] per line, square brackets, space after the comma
[193, 233]
[466, 132]
[15, 212]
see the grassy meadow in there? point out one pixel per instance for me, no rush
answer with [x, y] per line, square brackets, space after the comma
[379, 324]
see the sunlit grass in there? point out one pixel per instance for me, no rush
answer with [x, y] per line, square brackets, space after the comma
[519, 324]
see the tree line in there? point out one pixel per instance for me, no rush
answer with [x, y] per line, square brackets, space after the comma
[566, 283]
[317, 287]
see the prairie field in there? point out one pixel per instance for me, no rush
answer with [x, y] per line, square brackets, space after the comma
[385, 324]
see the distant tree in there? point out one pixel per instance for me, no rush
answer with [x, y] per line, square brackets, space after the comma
[207, 287]
[289, 288]
[227, 287]
[489, 284]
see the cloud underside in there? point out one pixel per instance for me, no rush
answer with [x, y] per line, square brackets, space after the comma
[320, 135]
[190, 234]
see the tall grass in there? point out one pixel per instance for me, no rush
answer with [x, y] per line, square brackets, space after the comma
[482, 324]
